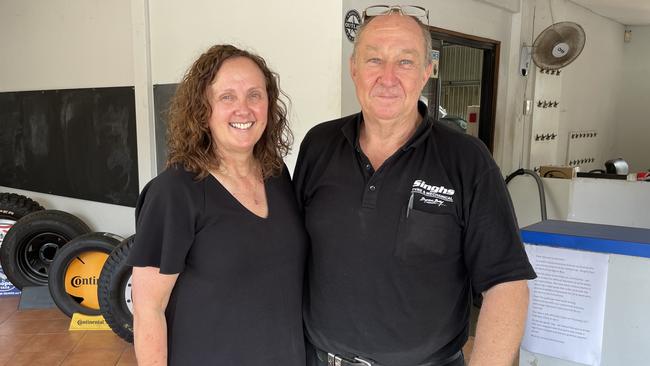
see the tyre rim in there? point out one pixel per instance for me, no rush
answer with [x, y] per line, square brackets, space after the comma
[127, 295]
[36, 255]
[81, 278]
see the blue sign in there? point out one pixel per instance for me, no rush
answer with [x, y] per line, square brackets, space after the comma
[6, 287]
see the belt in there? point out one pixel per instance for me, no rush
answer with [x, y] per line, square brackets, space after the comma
[338, 360]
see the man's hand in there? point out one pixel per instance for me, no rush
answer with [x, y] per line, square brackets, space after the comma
[501, 324]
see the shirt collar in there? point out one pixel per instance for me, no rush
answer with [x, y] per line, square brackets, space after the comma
[351, 128]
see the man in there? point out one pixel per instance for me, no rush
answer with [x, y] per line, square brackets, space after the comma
[406, 219]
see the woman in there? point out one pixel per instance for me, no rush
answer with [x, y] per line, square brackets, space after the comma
[219, 250]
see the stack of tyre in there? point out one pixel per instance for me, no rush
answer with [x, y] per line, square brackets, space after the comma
[85, 271]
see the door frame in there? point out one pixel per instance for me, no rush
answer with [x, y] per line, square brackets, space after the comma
[489, 77]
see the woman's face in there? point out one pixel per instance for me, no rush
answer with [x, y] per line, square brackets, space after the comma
[239, 104]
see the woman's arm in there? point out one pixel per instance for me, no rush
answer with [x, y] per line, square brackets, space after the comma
[151, 292]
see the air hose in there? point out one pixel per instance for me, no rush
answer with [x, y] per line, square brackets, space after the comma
[540, 187]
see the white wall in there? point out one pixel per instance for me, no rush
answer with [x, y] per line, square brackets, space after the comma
[300, 40]
[465, 16]
[581, 199]
[590, 85]
[91, 43]
[88, 43]
[525, 199]
[62, 44]
[632, 121]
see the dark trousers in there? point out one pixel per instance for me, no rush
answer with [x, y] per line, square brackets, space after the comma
[313, 360]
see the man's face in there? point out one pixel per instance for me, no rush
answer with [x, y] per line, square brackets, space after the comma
[389, 69]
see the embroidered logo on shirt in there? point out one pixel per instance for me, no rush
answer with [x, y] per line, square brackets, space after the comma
[432, 195]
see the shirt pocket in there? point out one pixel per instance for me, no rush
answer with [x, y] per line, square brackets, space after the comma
[425, 238]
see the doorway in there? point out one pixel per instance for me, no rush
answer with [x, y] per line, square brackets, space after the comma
[462, 90]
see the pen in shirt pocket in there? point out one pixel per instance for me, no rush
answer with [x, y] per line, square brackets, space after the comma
[409, 207]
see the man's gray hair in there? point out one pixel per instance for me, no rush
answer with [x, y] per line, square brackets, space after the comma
[425, 35]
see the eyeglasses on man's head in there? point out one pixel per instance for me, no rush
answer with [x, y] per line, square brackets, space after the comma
[408, 10]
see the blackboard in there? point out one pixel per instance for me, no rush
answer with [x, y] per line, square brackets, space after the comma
[162, 94]
[78, 143]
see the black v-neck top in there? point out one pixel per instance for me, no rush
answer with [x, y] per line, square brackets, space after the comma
[237, 300]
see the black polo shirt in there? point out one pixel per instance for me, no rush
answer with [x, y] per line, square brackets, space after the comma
[396, 252]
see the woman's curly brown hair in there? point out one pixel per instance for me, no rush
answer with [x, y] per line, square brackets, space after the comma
[189, 141]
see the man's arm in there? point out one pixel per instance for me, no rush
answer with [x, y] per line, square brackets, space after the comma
[501, 324]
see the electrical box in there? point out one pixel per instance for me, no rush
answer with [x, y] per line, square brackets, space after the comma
[473, 116]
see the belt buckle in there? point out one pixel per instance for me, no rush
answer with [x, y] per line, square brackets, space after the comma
[335, 360]
[364, 362]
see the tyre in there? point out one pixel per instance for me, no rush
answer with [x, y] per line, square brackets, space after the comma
[114, 291]
[30, 246]
[75, 271]
[14, 206]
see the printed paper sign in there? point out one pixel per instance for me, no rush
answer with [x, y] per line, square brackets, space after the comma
[566, 312]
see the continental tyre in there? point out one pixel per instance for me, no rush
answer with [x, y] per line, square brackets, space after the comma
[75, 272]
[30, 246]
[114, 291]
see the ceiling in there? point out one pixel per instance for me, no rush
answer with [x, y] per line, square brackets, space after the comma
[626, 12]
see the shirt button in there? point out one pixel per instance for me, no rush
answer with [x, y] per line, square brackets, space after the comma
[372, 188]
[368, 166]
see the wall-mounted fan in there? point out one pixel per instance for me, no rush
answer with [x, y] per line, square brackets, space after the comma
[558, 45]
